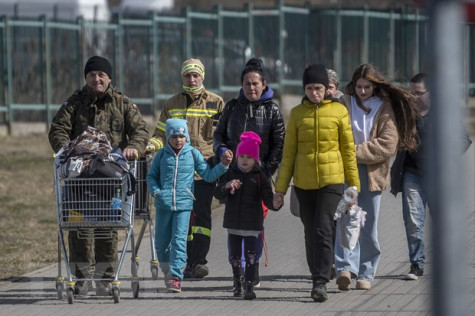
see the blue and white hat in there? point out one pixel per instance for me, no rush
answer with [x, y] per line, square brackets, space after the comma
[176, 126]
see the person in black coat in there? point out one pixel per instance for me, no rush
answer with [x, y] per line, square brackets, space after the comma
[244, 188]
[407, 176]
[254, 109]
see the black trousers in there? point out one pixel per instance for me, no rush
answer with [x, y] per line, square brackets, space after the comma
[317, 209]
[235, 251]
[199, 236]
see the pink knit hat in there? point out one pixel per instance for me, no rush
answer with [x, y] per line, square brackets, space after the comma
[249, 145]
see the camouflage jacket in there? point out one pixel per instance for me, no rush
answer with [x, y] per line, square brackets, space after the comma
[114, 114]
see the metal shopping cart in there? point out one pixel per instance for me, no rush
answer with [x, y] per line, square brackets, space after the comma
[142, 211]
[84, 207]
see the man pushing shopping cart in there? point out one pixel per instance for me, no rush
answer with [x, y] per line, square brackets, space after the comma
[100, 106]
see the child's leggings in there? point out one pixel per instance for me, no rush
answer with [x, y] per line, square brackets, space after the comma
[235, 251]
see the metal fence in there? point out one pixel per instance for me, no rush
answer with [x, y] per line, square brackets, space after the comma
[41, 61]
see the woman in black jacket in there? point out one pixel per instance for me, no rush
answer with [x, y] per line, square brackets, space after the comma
[253, 110]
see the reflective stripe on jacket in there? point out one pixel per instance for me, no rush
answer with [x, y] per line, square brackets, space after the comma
[202, 116]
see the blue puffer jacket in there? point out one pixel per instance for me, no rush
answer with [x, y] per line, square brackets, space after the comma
[171, 175]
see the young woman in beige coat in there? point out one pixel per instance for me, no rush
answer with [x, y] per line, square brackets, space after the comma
[382, 119]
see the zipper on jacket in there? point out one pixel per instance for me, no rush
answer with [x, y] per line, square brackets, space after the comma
[175, 176]
[316, 145]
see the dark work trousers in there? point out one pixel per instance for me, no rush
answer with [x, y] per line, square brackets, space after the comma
[317, 210]
[92, 257]
[199, 236]
[235, 249]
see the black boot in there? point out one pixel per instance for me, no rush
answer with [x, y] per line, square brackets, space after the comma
[319, 291]
[249, 295]
[237, 284]
[257, 281]
[188, 273]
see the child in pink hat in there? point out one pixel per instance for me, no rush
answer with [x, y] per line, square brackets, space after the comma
[243, 188]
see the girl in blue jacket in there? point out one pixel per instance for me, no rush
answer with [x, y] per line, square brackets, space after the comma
[170, 181]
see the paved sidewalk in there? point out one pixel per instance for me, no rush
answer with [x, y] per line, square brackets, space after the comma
[285, 283]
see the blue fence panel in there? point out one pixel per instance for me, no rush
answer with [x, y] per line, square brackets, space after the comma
[236, 50]
[204, 38]
[323, 39]
[353, 45]
[41, 61]
[266, 34]
[66, 60]
[3, 72]
[380, 44]
[170, 38]
[296, 46]
[137, 59]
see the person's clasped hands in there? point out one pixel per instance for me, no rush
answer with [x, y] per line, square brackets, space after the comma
[278, 200]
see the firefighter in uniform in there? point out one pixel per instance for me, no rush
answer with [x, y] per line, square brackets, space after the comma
[201, 108]
[98, 105]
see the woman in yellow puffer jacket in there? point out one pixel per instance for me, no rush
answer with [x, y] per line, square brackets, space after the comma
[319, 153]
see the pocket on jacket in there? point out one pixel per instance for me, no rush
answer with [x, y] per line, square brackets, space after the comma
[191, 193]
[117, 125]
[207, 128]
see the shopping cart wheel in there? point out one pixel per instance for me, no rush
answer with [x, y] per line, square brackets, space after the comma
[70, 295]
[154, 269]
[116, 294]
[135, 288]
[59, 289]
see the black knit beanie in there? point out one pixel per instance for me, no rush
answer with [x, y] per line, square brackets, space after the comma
[97, 63]
[316, 73]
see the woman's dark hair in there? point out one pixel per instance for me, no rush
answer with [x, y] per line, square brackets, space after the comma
[420, 77]
[400, 99]
[253, 65]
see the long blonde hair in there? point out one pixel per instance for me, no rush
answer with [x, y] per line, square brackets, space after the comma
[400, 99]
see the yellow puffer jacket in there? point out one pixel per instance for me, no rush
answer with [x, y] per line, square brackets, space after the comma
[318, 149]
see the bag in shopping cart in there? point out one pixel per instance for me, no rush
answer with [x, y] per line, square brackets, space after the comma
[100, 167]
